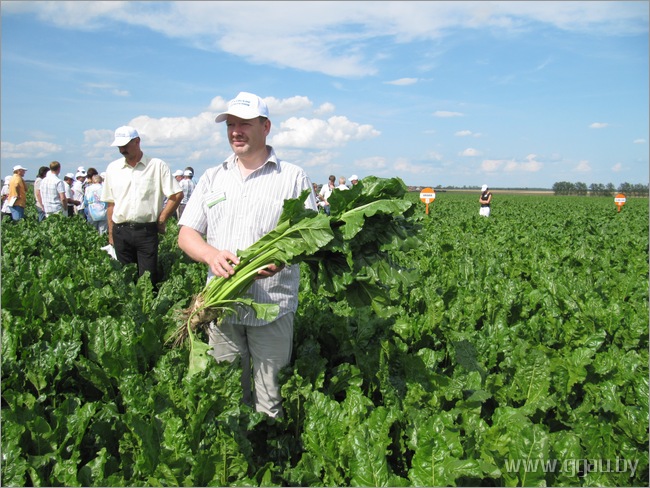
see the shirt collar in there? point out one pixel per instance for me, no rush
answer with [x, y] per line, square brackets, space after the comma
[143, 161]
[231, 161]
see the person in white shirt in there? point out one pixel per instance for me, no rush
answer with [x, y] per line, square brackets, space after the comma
[141, 194]
[342, 185]
[325, 193]
[52, 191]
[187, 185]
[78, 193]
[68, 180]
[234, 204]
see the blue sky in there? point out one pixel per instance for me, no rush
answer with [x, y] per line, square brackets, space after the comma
[512, 94]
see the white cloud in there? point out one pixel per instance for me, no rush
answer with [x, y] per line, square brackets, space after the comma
[434, 155]
[598, 125]
[287, 105]
[403, 164]
[639, 141]
[530, 165]
[371, 164]
[320, 37]
[618, 167]
[325, 108]
[463, 133]
[583, 166]
[470, 152]
[29, 149]
[445, 114]
[178, 131]
[317, 133]
[402, 82]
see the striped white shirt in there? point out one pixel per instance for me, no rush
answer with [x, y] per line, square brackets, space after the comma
[234, 213]
[51, 187]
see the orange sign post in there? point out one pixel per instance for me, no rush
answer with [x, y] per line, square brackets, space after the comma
[428, 195]
[619, 200]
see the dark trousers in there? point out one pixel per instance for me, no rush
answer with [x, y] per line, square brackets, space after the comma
[138, 244]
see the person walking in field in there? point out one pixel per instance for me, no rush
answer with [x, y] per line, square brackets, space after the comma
[234, 204]
[485, 199]
[52, 191]
[95, 208]
[17, 196]
[42, 172]
[325, 193]
[342, 185]
[142, 195]
[6, 213]
[188, 186]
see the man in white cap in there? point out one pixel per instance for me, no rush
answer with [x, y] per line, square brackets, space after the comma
[141, 194]
[68, 180]
[354, 179]
[234, 204]
[17, 198]
[78, 192]
[485, 199]
[187, 185]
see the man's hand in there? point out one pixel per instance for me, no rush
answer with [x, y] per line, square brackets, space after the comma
[222, 263]
[269, 271]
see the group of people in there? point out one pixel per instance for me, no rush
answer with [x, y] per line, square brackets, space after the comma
[187, 183]
[328, 188]
[217, 217]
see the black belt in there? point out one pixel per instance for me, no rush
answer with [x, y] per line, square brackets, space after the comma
[137, 225]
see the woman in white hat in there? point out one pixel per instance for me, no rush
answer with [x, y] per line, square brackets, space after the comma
[485, 200]
[5, 193]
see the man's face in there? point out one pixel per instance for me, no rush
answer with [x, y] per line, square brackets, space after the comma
[247, 136]
[130, 148]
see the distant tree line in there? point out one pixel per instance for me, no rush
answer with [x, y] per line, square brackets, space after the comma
[600, 190]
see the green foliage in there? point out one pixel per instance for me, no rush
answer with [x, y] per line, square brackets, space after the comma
[523, 341]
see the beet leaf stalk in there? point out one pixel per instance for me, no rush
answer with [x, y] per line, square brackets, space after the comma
[347, 254]
[299, 232]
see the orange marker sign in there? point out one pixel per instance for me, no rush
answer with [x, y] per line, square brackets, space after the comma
[428, 195]
[619, 200]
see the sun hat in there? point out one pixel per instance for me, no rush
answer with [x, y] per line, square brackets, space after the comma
[484, 187]
[124, 135]
[19, 167]
[69, 175]
[245, 106]
[187, 172]
[80, 174]
[81, 169]
[178, 172]
[353, 177]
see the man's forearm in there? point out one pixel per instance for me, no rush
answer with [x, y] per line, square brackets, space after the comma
[173, 201]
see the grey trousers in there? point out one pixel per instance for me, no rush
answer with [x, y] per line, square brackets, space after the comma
[264, 351]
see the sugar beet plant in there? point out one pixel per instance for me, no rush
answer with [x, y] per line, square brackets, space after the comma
[517, 356]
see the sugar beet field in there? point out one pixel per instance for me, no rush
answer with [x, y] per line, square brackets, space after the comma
[517, 355]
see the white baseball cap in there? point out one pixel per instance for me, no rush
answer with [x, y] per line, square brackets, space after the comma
[69, 175]
[245, 106]
[124, 135]
[187, 172]
[484, 187]
[80, 174]
[354, 177]
[178, 172]
[19, 167]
